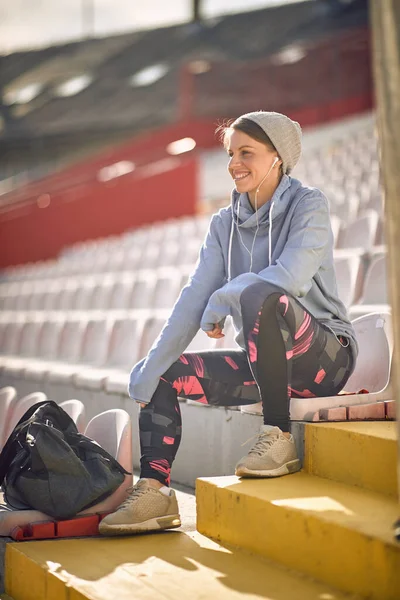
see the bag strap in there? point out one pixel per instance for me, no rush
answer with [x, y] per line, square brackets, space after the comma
[88, 444]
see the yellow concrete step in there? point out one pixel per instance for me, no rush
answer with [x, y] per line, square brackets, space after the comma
[163, 565]
[339, 534]
[357, 453]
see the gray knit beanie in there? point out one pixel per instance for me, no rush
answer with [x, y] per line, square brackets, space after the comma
[284, 133]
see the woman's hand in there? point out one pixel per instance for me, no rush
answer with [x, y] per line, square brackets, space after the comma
[215, 333]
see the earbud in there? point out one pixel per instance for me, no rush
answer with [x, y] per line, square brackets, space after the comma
[269, 171]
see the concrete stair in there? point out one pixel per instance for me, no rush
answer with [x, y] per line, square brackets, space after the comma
[359, 453]
[166, 566]
[333, 521]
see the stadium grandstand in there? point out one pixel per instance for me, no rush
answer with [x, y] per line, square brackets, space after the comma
[110, 170]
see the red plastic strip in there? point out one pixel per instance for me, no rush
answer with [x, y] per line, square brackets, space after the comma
[80, 526]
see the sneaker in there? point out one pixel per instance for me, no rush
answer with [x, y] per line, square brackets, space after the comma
[272, 455]
[145, 509]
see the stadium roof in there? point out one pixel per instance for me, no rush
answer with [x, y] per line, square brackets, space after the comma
[130, 82]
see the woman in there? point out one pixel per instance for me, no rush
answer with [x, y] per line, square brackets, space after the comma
[267, 261]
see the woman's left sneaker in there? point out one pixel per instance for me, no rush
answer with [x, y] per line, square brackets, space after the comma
[272, 455]
[145, 509]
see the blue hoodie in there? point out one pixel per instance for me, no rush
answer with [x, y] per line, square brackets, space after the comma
[293, 250]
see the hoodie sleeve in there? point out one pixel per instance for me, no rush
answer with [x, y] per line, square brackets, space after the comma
[308, 241]
[184, 321]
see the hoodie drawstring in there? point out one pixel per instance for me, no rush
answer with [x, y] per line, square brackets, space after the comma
[254, 239]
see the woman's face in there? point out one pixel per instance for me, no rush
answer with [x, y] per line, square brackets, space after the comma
[249, 162]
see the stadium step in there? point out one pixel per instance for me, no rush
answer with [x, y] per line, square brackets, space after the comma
[363, 454]
[340, 534]
[165, 565]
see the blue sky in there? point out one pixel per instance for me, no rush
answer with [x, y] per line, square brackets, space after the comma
[38, 23]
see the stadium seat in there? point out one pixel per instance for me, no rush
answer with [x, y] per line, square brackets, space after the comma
[375, 294]
[153, 322]
[76, 410]
[112, 429]
[121, 294]
[28, 346]
[143, 289]
[123, 353]
[372, 371]
[102, 293]
[69, 347]
[11, 336]
[361, 233]
[48, 349]
[349, 276]
[20, 407]
[93, 350]
[8, 397]
[167, 288]
[84, 295]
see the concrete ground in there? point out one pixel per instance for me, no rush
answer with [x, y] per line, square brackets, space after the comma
[187, 508]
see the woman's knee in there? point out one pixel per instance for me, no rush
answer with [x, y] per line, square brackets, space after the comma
[254, 296]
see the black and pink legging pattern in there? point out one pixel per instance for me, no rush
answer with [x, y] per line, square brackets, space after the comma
[288, 353]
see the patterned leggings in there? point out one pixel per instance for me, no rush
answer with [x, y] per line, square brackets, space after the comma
[288, 353]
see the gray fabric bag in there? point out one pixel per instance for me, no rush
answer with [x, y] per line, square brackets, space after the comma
[48, 466]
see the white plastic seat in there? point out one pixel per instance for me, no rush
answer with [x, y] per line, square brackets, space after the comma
[93, 353]
[375, 294]
[112, 429]
[152, 324]
[37, 298]
[169, 254]
[52, 295]
[361, 233]
[150, 255]
[83, 297]
[14, 365]
[143, 290]
[11, 337]
[152, 329]
[123, 353]
[189, 251]
[349, 275]
[20, 407]
[10, 295]
[372, 371]
[8, 396]
[76, 410]
[70, 345]
[66, 299]
[102, 293]
[167, 288]
[48, 349]
[121, 293]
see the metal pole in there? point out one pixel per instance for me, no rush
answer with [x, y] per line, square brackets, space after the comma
[385, 24]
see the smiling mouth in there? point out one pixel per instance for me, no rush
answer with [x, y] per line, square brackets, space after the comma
[240, 177]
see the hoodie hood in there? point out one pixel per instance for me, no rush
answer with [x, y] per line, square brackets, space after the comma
[246, 217]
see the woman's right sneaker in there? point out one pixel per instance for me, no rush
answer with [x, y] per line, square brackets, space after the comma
[145, 509]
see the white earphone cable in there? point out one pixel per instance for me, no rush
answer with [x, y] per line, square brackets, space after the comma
[250, 252]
